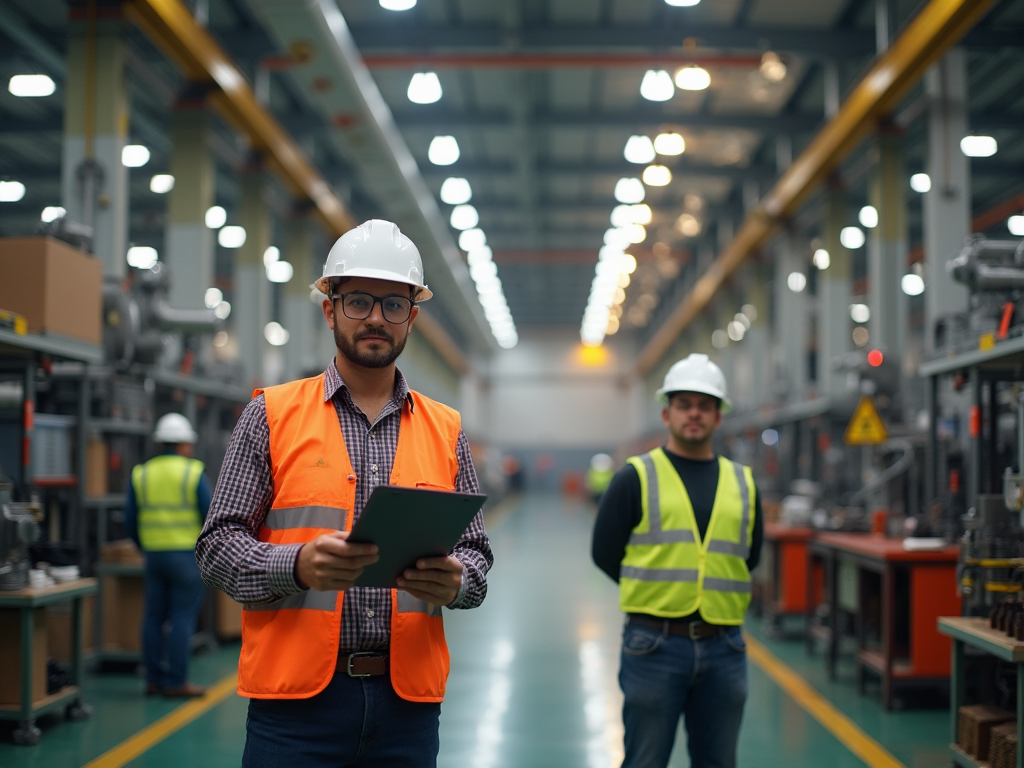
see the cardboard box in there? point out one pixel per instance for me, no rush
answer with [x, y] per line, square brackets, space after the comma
[97, 463]
[59, 632]
[57, 288]
[229, 617]
[124, 599]
[10, 652]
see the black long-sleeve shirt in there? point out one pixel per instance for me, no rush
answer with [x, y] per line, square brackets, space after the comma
[621, 511]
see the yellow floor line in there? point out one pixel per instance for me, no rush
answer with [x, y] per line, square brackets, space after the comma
[174, 721]
[821, 709]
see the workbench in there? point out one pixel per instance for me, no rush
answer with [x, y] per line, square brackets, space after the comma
[26, 601]
[912, 589]
[966, 630]
[787, 582]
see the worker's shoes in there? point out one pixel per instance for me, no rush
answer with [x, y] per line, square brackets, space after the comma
[186, 691]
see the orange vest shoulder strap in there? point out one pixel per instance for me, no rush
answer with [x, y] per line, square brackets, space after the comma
[443, 417]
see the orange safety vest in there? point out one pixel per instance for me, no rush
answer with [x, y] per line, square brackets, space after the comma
[290, 646]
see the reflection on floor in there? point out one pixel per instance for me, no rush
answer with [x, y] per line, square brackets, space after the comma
[533, 681]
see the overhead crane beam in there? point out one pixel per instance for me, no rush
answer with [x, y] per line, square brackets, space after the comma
[938, 26]
[170, 26]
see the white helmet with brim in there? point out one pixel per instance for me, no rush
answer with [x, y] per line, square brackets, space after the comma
[696, 373]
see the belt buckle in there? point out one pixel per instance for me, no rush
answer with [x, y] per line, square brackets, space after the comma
[690, 630]
[348, 664]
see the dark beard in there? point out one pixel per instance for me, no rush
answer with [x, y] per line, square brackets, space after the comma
[369, 359]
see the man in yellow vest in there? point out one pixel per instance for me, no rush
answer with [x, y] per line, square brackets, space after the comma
[680, 529]
[164, 512]
[339, 675]
[599, 475]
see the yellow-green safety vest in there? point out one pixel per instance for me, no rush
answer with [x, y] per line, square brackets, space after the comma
[598, 480]
[668, 571]
[166, 491]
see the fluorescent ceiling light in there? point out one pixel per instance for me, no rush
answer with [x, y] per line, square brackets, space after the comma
[657, 175]
[271, 255]
[222, 310]
[134, 156]
[719, 339]
[484, 271]
[773, 69]
[456, 191]
[636, 233]
[860, 313]
[216, 217]
[161, 183]
[796, 281]
[639, 150]
[851, 238]
[616, 237]
[397, 5]
[31, 86]
[978, 146]
[424, 88]
[657, 85]
[669, 144]
[213, 297]
[464, 217]
[921, 182]
[444, 150]
[629, 191]
[821, 259]
[479, 255]
[142, 256]
[1016, 225]
[280, 272]
[231, 237]
[912, 285]
[868, 216]
[11, 191]
[52, 212]
[736, 330]
[276, 334]
[693, 78]
[472, 239]
[682, 3]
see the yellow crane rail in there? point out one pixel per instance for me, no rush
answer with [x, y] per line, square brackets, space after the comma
[931, 33]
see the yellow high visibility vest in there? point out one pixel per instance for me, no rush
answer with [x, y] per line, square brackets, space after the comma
[166, 491]
[668, 571]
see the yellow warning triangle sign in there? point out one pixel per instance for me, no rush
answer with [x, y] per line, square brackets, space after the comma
[866, 427]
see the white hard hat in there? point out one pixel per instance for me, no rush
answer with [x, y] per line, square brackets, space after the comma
[696, 373]
[376, 249]
[602, 462]
[174, 428]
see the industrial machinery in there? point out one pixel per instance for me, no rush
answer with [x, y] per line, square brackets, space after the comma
[19, 530]
[992, 550]
[993, 271]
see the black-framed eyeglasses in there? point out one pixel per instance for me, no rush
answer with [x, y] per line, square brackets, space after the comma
[358, 305]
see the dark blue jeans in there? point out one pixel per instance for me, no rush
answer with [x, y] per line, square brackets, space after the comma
[353, 722]
[664, 677]
[174, 595]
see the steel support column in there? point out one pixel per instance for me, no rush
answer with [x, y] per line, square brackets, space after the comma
[834, 286]
[94, 183]
[301, 317]
[887, 250]
[947, 206]
[251, 297]
[792, 319]
[188, 248]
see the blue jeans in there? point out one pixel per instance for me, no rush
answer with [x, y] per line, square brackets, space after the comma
[664, 677]
[353, 722]
[174, 595]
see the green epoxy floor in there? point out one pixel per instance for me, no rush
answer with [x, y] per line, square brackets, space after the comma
[533, 681]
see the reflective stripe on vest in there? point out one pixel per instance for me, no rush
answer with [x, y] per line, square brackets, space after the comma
[667, 570]
[290, 646]
[166, 492]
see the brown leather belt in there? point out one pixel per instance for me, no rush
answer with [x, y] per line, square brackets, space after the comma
[695, 630]
[364, 664]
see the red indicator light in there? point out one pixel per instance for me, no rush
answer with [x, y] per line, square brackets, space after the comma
[874, 358]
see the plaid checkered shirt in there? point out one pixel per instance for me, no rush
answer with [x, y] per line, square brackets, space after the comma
[233, 559]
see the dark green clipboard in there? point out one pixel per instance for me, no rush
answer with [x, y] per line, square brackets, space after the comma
[407, 524]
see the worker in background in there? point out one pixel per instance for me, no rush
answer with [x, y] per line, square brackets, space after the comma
[602, 469]
[167, 503]
[680, 529]
[341, 675]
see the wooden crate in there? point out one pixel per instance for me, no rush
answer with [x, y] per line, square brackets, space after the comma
[1003, 746]
[974, 727]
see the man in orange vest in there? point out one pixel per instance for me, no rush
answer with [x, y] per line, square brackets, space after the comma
[340, 675]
